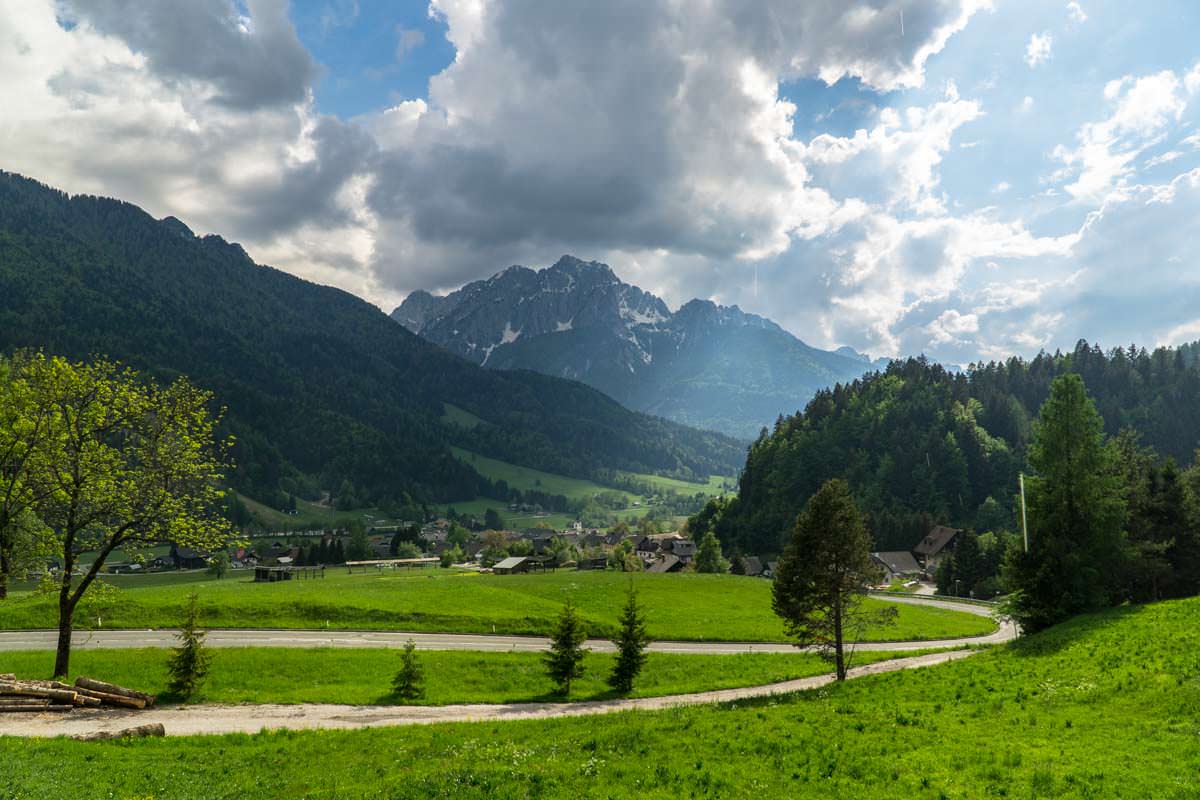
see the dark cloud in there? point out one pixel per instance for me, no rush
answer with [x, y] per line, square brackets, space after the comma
[307, 192]
[253, 63]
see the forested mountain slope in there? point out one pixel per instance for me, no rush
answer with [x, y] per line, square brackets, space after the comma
[707, 365]
[923, 446]
[321, 387]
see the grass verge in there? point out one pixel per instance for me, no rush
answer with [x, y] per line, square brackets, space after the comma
[359, 677]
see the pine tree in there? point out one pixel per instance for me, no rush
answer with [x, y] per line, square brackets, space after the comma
[631, 645]
[564, 662]
[824, 574]
[409, 683]
[360, 546]
[1076, 560]
[190, 660]
[968, 563]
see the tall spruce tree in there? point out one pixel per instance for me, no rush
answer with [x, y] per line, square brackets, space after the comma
[564, 662]
[824, 574]
[1076, 560]
[631, 645]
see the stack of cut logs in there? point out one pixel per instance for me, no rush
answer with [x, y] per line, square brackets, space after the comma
[42, 696]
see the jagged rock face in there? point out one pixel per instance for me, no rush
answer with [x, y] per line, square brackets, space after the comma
[710, 366]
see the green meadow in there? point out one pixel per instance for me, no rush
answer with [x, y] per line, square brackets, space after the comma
[682, 606]
[1105, 706]
[525, 478]
[327, 675]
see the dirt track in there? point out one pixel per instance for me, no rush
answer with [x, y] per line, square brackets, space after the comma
[215, 719]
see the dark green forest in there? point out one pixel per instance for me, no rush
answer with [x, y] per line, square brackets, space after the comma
[323, 391]
[921, 445]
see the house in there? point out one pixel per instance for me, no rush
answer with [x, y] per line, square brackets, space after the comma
[591, 540]
[512, 565]
[754, 566]
[613, 538]
[187, 558]
[769, 572]
[648, 547]
[599, 563]
[937, 542]
[897, 565]
[665, 563]
[683, 549]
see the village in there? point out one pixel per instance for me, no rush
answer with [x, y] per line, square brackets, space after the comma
[443, 542]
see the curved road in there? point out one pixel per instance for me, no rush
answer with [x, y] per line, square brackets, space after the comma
[251, 637]
[216, 719]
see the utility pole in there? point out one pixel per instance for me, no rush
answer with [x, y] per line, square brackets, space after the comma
[1024, 521]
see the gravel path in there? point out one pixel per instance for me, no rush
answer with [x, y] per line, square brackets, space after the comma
[217, 719]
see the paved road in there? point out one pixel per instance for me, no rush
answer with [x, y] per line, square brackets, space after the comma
[231, 637]
[217, 719]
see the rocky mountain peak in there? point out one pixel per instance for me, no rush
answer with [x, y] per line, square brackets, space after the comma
[709, 365]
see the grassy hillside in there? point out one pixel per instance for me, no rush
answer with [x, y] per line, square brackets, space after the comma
[1105, 706]
[698, 607]
[362, 677]
[576, 489]
[524, 478]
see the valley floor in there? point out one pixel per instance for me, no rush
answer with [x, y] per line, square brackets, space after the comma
[1105, 706]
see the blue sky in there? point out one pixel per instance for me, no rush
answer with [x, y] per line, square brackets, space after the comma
[366, 68]
[988, 177]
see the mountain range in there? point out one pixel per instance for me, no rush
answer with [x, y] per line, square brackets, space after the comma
[705, 365]
[323, 390]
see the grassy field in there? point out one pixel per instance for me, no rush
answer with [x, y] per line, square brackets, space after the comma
[284, 675]
[1103, 707]
[454, 415]
[513, 521]
[308, 514]
[524, 478]
[716, 484]
[689, 606]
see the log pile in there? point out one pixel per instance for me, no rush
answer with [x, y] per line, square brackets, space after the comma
[52, 696]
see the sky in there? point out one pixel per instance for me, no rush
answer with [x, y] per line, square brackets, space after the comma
[969, 179]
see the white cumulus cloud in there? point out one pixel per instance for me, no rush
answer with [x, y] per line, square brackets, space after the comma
[1038, 50]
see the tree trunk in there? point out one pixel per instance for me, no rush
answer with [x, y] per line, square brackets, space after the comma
[62, 658]
[66, 625]
[837, 639]
[6, 564]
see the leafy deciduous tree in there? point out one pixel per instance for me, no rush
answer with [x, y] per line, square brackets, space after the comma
[126, 465]
[708, 555]
[24, 425]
